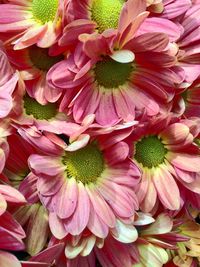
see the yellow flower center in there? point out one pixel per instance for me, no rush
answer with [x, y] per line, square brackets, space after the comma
[85, 164]
[44, 10]
[106, 13]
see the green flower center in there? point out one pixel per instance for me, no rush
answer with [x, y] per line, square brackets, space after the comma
[41, 59]
[44, 10]
[106, 13]
[197, 141]
[111, 74]
[39, 112]
[150, 151]
[85, 165]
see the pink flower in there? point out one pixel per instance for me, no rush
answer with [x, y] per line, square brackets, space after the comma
[167, 155]
[119, 74]
[33, 64]
[88, 185]
[32, 22]
[8, 81]
[188, 44]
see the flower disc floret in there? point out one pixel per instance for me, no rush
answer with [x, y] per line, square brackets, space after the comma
[85, 165]
[111, 74]
[38, 111]
[44, 10]
[41, 59]
[150, 151]
[106, 13]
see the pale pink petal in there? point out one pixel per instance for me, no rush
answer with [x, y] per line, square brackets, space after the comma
[96, 225]
[46, 165]
[187, 162]
[131, 10]
[175, 133]
[167, 188]
[125, 233]
[7, 259]
[101, 207]
[162, 225]
[150, 197]
[3, 204]
[57, 226]
[78, 221]
[66, 199]
[11, 194]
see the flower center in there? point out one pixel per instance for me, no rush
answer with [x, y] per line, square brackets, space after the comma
[106, 13]
[150, 151]
[41, 59]
[85, 165]
[111, 74]
[44, 10]
[32, 107]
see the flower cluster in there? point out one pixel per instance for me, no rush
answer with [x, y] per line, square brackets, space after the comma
[99, 133]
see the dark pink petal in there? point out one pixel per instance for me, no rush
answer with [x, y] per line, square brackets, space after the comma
[117, 153]
[161, 25]
[151, 41]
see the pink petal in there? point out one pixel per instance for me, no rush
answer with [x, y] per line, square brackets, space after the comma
[187, 162]
[78, 221]
[7, 259]
[96, 224]
[66, 199]
[101, 207]
[167, 188]
[46, 165]
[175, 133]
[57, 226]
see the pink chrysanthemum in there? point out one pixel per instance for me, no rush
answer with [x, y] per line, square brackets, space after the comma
[91, 185]
[32, 21]
[8, 81]
[167, 156]
[120, 73]
[188, 45]
[33, 63]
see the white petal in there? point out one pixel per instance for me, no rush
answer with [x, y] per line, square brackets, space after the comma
[123, 56]
[125, 233]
